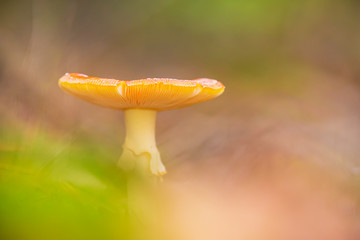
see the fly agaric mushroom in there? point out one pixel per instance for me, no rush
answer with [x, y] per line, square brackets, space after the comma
[140, 100]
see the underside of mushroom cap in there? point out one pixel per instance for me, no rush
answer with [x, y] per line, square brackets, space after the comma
[150, 93]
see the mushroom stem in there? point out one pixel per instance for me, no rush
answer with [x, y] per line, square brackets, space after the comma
[139, 149]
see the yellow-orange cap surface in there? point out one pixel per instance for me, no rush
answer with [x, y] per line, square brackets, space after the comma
[151, 93]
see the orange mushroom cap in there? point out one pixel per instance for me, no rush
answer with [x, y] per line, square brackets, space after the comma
[150, 93]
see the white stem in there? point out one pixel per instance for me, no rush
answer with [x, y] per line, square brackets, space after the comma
[139, 149]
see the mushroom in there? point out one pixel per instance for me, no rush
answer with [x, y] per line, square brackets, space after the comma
[140, 100]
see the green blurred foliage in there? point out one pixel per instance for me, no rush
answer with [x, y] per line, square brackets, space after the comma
[55, 189]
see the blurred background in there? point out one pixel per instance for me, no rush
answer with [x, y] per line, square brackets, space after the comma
[277, 156]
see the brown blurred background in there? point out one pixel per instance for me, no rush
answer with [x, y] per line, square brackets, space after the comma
[275, 157]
